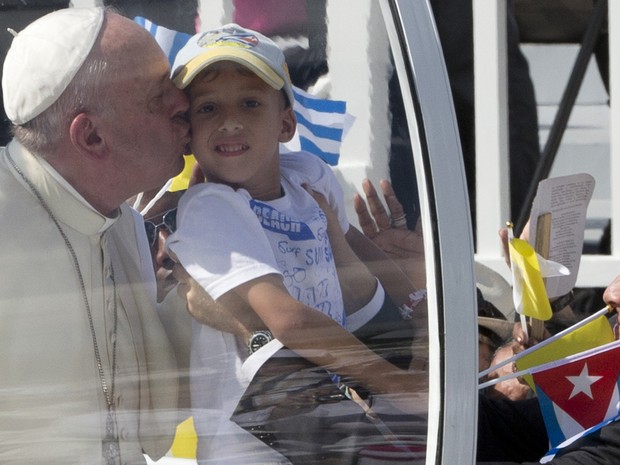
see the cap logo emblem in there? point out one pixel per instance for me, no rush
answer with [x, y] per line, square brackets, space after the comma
[227, 39]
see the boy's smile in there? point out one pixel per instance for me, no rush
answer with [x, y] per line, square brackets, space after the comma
[231, 150]
[237, 123]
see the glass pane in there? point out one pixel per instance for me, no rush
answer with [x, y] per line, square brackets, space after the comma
[445, 216]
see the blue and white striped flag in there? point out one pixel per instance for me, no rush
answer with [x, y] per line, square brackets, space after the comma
[321, 123]
[321, 126]
[170, 41]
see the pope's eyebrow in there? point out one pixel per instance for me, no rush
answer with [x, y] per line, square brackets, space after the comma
[160, 82]
[157, 88]
[164, 78]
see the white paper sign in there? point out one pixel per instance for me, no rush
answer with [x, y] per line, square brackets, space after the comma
[566, 198]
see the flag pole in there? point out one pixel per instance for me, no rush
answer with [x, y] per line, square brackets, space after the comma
[542, 344]
[509, 226]
[543, 234]
[529, 370]
[514, 374]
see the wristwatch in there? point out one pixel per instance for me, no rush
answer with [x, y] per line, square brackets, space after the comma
[258, 339]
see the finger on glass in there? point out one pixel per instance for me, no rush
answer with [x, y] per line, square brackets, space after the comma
[377, 209]
[367, 224]
[397, 213]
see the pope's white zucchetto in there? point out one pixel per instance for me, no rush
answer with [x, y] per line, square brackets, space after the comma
[44, 58]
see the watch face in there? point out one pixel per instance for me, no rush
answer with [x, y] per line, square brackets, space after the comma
[257, 341]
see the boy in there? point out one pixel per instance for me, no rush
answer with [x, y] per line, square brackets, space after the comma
[255, 239]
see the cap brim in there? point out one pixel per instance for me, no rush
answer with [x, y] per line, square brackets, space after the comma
[190, 70]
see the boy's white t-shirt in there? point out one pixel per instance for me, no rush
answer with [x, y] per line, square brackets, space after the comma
[226, 238]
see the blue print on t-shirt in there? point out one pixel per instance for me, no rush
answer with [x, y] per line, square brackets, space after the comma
[273, 220]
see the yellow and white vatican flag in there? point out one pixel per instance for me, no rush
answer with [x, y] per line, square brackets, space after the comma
[528, 287]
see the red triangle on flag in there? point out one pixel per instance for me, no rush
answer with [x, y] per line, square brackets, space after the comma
[583, 388]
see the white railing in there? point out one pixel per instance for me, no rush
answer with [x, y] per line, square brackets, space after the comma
[492, 143]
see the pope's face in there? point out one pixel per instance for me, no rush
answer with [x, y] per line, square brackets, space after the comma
[146, 118]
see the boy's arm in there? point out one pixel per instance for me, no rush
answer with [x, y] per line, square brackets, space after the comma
[228, 314]
[357, 282]
[359, 261]
[310, 333]
[321, 340]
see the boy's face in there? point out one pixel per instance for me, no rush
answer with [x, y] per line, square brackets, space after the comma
[237, 122]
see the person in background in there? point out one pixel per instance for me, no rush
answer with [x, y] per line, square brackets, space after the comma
[405, 247]
[159, 213]
[511, 429]
[513, 388]
[158, 209]
[88, 375]
[511, 432]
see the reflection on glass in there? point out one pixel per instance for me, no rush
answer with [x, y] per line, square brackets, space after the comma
[290, 405]
[252, 401]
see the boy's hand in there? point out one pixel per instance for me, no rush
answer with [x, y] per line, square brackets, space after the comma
[222, 315]
[333, 225]
[357, 283]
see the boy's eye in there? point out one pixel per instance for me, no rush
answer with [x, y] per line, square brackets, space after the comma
[206, 108]
[251, 103]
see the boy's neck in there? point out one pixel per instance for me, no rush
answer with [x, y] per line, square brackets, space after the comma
[267, 188]
[273, 193]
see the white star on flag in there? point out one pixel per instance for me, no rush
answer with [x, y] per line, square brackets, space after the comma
[583, 383]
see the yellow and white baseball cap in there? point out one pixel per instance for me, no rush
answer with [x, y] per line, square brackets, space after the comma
[233, 43]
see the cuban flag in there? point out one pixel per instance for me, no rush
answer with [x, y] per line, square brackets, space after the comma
[579, 394]
[321, 123]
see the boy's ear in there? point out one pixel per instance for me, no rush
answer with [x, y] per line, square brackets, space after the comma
[86, 135]
[289, 125]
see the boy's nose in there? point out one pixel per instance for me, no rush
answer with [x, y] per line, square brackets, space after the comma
[230, 123]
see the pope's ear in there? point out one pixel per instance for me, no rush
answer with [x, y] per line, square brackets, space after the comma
[85, 135]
